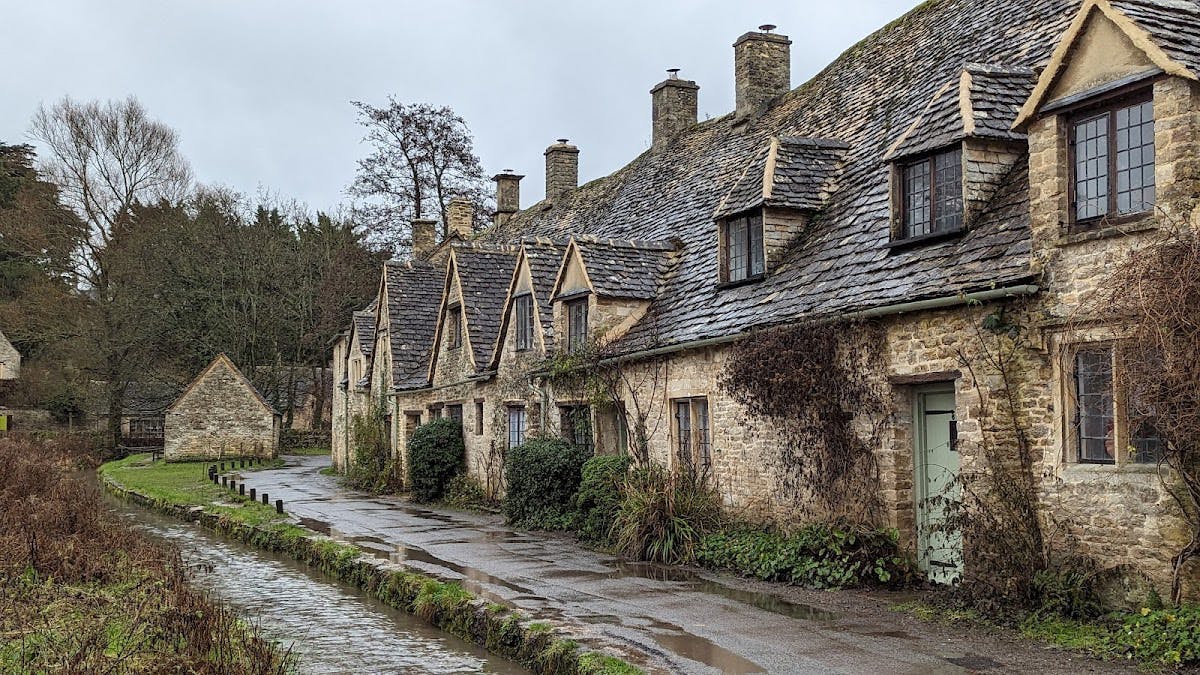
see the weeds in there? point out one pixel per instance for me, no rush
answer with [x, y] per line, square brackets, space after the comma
[664, 516]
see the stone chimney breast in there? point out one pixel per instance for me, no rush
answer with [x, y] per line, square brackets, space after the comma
[424, 238]
[674, 105]
[460, 218]
[762, 68]
[508, 196]
[562, 168]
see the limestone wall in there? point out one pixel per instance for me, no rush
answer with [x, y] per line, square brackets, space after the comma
[220, 416]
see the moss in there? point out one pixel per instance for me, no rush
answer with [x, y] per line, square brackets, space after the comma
[594, 663]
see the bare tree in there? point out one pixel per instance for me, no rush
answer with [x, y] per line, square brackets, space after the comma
[106, 158]
[422, 156]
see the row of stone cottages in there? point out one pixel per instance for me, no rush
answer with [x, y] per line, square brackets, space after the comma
[975, 154]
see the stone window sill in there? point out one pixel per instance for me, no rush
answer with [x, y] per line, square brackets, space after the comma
[1118, 228]
[1083, 471]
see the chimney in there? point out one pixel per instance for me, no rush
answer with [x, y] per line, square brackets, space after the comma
[460, 218]
[762, 68]
[508, 196]
[562, 168]
[424, 238]
[673, 104]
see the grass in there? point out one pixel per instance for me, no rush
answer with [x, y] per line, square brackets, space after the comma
[187, 484]
[329, 471]
[307, 452]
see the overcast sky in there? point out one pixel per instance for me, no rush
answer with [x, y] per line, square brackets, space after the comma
[260, 91]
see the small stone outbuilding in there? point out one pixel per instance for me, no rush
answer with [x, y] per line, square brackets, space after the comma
[220, 414]
[10, 360]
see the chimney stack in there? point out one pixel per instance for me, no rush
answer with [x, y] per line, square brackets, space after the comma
[562, 168]
[460, 218]
[673, 104]
[762, 67]
[424, 238]
[508, 196]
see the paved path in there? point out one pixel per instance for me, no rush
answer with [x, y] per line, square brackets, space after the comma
[665, 619]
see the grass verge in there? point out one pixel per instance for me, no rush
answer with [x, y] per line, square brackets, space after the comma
[307, 452]
[182, 490]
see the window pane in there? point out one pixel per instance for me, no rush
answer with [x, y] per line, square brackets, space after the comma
[916, 199]
[1091, 168]
[738, 249]
[758, 263]
[516, 427]
[703, 443]
[683, 427]
[1135, 158]
[577, 324]
[948, 211]
[1094, 394]
[524, 322]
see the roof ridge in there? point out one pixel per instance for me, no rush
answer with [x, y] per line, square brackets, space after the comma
[638, 244]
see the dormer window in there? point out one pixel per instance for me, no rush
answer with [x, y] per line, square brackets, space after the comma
[1112, 161]
[454, 327]
[577, 324]
[743, 248]
[933, 194]
[523, 321]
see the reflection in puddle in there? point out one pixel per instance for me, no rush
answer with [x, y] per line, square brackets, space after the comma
[699, 649]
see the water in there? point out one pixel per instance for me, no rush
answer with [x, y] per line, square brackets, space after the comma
[332, 627]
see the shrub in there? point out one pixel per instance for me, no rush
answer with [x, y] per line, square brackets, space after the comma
[542, 477]
[663, 516]
[435, 455]
[1068, 589]
[599, 496]
[373, 468]
[1165, 636]
[818, 555]
[465, 492]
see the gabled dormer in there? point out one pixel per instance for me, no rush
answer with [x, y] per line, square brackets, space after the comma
[605, 286]
[771, 204]
[1112, 122]
[527, 329]
[949, 162]
[469, 318]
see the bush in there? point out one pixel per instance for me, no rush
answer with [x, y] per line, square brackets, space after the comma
[465, 492]
[373, 468]
[1068, 589]
[542, 478]
[599, 496]
[664, 516]
[819, 556]
[435, 455]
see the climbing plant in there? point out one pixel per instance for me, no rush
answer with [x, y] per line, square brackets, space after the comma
[820, 386]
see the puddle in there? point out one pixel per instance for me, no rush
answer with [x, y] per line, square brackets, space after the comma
[696, 648]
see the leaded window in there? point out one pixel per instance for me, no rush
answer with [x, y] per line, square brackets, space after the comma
[577, 427]
[455, 412]
[744, 255]
[454, 327]
[1112, 161]
[693, 432]
[523, 320]
[1095, 423]
[516, 426]
[577, 324]
[933, 194]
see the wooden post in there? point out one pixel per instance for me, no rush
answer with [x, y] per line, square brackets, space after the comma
[265, 498]
[242, 489]
[278, 506]
[224, 481]
[253, 497]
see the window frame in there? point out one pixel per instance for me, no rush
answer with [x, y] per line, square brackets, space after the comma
[754, 223]
[523, 326]
[1124, 452]
[1106, 106]
[523, 428]
[478, 417]
[569, 415]
[902, 201]
[576, 342]
[696, 448]
[454, 327]
[454, 411]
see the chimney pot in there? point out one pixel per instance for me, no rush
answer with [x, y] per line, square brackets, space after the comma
[562, 169]
[674, 106]
[424, 237]
[762, 65]
[460, 218]
[508, 196]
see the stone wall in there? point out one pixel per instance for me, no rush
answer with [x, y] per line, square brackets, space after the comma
[220, 416]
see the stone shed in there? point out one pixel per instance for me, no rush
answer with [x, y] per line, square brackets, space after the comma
[220, 414]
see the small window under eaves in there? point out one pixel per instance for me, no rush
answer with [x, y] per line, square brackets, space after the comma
[743, 257]
[930, 199]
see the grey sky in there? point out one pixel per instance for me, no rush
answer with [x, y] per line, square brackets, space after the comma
[259, 90]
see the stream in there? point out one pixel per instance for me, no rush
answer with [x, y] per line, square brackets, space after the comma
[331, 626]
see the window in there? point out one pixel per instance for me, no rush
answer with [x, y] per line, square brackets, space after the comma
[577, 324]
[1112, 160]
[516, 426]
[435, 411]
[455, 412]
[478, 417]
[412, 420]
[693, 435]
[1101, 423]
[743, 245]
[454, 327]
[577, 427]
[933, 194]
[146, 428]
[523, 322]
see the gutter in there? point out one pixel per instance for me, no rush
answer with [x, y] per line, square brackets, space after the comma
[874, 313]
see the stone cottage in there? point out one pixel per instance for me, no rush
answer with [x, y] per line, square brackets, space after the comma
[220, 414]
[10, 360]
[972, 160]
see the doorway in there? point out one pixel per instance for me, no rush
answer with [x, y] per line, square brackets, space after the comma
[936, 464]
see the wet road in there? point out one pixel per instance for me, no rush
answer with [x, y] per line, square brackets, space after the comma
[331, 627]
[664, 619]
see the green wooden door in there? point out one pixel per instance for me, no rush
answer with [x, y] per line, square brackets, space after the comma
[936, 463]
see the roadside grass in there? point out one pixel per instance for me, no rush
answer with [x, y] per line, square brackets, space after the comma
[187, 484]
[307, 452]
[330, 471]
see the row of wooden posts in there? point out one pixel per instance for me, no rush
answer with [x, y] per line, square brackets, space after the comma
[215, 471]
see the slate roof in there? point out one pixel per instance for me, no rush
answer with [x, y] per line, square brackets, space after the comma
[867, 99]
[625, 269]
[545, 257]
[484, 275]
[364, 326]
[414, 293]
[1174, 25]
[789, 172]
